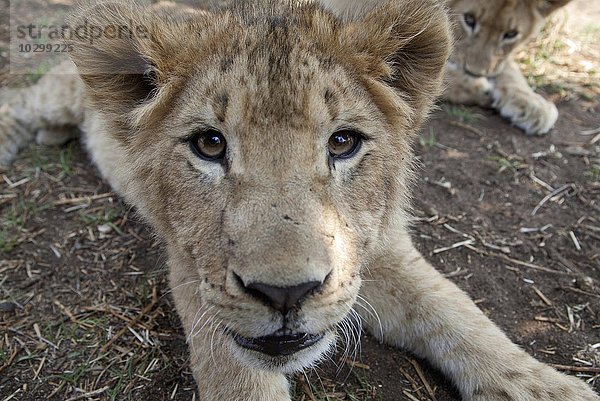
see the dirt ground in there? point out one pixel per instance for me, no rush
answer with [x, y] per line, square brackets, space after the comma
[85, 311]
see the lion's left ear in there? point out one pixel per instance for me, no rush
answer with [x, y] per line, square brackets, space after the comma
[405, 44]
[547, 7]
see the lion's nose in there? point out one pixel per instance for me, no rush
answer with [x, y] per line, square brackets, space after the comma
[282, 298]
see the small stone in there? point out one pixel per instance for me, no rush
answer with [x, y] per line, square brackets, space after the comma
[577, 151]
[8, 306]
[105, 228]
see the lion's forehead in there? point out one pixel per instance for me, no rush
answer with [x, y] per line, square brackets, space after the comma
[269, 100]
[498, 15]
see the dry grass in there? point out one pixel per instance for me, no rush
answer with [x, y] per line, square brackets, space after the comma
[563, 60]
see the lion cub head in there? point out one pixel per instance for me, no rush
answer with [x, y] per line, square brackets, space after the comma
[487, 32]
[269, 146]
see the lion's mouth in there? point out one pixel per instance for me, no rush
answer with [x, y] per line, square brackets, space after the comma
[278, 344]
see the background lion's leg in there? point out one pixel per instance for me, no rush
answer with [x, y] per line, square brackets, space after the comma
[50, 111]
[422, 311]
[516, 101]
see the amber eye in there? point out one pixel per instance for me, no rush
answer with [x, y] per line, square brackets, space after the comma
[343, 144]
[470, 20]
[511, 34]
[209, 145]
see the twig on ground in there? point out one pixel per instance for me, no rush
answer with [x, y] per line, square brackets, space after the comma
[107, 310]
[306, 389]
[38, 370]
[577, 290]
[590, 132]
[13, 395]
[90, 394]
[83, 199]
[419, 371]
[515, 261]
[546, 319]
[575, 240]
[355, 364]
[412, 381]
[539, 181]
[551, 195]
[125, 329]
[71, 316]
[527, 230]
[453, 246]
[409, 395]
[10, 359]
[586, 369]
[467, 127]
[542, 296]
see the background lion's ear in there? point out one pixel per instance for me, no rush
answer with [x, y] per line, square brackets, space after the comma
[406, 44]
[124, 54]
[547, 7]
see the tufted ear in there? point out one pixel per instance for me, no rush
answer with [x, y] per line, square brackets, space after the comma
[128, 56]
[547, 7]
[405, 44]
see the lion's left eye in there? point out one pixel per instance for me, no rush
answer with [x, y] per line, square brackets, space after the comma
[510, 34]
[470, 20]
[344, 144]
[209, 145]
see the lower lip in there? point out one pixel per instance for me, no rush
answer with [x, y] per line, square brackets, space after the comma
[278, 345]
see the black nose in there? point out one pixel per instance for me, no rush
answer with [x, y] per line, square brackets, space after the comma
[281, 298]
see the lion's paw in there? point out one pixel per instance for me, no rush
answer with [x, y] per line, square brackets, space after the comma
[8, 150]
[527, 110]
[546, 385]
[56, 136]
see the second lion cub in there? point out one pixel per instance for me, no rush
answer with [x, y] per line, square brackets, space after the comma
[481, 69]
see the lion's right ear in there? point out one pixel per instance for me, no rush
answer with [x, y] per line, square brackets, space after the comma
[405, 44]
[547, 7]
[128, 56]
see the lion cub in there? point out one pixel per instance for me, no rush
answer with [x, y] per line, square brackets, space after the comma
[481, 69]
[269, 145]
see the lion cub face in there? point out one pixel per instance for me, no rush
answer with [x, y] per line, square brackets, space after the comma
[487, 32]
[278, 184]
[270, 148]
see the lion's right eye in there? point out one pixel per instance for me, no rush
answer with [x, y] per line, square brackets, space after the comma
[470, 21]
[344, 144]
[510, 35]
[209, 145]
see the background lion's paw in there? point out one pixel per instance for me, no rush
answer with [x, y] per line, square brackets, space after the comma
[8, 151]
[528, 111]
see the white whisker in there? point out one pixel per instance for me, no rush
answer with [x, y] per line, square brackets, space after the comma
[197, 321]
[212, 342]
[320, 381]
[170, 290]
[376, 315]
[195, 333]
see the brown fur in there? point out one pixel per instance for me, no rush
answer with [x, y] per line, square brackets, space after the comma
[277, 80]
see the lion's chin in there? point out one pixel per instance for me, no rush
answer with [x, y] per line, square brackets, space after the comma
[289, 355]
